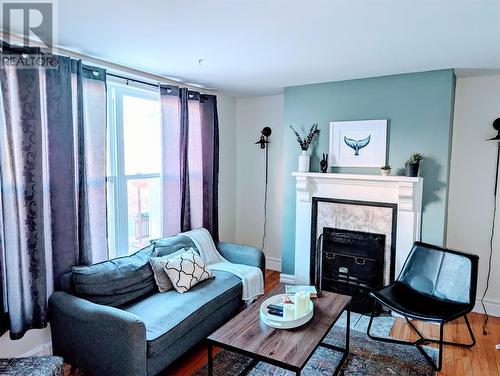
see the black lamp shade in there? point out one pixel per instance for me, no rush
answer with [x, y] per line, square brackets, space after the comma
[496, 125]
[266, 131]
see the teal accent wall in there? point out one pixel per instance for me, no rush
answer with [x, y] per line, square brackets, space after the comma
[419, 109]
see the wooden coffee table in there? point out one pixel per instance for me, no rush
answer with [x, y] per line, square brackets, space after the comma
[289, 349]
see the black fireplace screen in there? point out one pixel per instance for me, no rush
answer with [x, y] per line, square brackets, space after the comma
[352, 263]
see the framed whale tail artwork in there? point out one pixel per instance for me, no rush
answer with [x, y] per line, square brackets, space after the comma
[359, 143]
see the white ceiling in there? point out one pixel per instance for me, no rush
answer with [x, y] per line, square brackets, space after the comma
[257, 47]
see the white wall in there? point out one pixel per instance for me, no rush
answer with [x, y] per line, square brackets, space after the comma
[253, 114]
[470, 206]
[227, 167]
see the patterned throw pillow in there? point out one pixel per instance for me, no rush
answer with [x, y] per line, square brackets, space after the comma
[161, 277]
[187, 270]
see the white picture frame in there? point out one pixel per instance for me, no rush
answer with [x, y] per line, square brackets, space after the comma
[358, 143]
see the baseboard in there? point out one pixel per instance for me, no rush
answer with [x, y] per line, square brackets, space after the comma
[273, 263]
[42, 350]
[287, 278]
[492, 306]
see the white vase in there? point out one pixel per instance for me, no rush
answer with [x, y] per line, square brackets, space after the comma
[304, 161]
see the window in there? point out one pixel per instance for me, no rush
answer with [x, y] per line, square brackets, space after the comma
[134, 166]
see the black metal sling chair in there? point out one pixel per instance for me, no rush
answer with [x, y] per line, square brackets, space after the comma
[435, 284]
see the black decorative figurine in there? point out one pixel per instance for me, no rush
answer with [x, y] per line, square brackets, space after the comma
[323, 164]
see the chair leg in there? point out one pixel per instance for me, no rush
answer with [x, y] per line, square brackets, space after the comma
[436, 367]
[422, 340]
[426, 340]
[385, 339]
[471, 333]
[441, 342]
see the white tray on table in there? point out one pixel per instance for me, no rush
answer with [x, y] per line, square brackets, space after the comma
[279, 322]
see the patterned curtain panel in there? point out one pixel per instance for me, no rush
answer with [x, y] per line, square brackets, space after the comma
[190, 160]
[52, 181]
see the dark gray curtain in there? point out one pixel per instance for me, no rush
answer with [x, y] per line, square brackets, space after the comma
[190, 160]
[52, 154]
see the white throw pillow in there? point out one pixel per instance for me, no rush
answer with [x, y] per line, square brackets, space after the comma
[186, 270]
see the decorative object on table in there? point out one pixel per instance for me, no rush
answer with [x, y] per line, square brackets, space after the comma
[360, 143]
[412, 165]
[292, 289]
[288, 311]
[305, 143]
[385, 170]
[323, 164]
[276, 310]
[288, 315]
[264, 144]
[302, 301]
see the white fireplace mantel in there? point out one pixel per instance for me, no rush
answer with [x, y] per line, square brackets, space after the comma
[404, 191]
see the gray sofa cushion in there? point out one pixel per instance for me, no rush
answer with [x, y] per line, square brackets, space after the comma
[157, 264]
[118, 281]
[170, 315]
[165, 246]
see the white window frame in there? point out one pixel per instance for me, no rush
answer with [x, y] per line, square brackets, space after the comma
[118, 197]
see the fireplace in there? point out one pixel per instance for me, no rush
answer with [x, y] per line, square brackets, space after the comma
[351, 263]
[401, 195]
[353, 251]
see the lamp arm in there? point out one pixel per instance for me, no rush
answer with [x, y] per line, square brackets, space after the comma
[496, 172]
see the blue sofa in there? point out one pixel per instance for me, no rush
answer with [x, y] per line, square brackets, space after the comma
[110, 319]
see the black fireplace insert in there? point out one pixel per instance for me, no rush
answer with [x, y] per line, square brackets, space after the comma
[352, 263]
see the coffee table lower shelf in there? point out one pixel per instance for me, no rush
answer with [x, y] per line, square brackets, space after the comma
[258, 358]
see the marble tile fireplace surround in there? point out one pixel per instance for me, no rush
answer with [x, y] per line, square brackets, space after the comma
[369, 203]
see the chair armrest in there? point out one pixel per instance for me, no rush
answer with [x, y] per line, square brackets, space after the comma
[242, 254]
[97, 338]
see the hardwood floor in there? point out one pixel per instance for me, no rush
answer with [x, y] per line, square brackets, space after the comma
[481, 360]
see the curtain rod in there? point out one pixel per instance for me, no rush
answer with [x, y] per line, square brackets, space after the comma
[109, 65]
[133, 79]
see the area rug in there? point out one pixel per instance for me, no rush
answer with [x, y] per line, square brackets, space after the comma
[367, 357]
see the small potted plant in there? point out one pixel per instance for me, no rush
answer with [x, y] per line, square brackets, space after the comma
[304, 143]
[412, 165]
[385, 170]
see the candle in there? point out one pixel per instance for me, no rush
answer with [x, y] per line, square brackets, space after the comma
[288, 311]
[301, 304]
